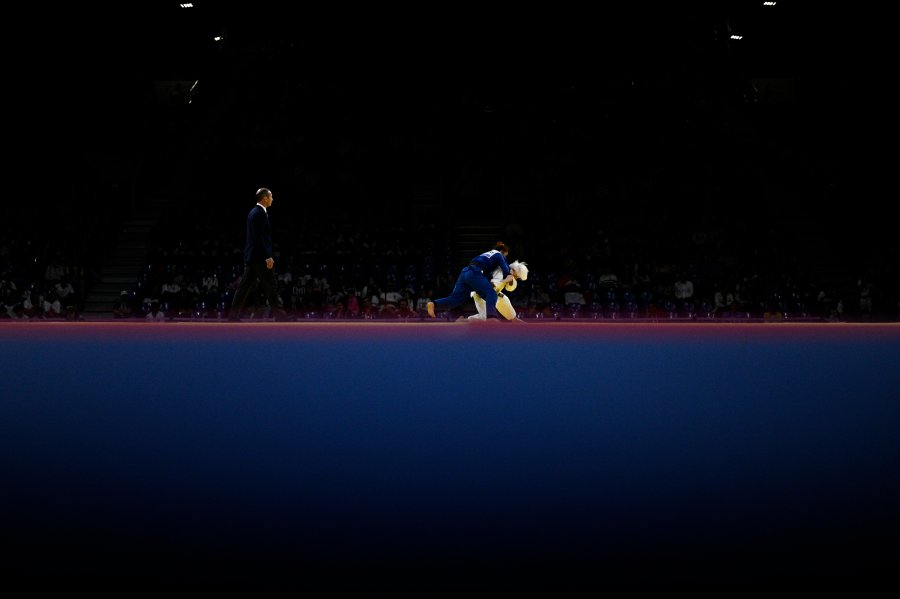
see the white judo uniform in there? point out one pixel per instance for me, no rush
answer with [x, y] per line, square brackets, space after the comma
[504, 306]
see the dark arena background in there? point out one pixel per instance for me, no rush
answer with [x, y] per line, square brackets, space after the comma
[700, 386]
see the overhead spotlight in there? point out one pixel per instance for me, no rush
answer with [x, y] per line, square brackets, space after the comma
[186, 5]
[769, 3]
[737, 37]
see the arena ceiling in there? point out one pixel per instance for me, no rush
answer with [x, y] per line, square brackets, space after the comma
[169, 41]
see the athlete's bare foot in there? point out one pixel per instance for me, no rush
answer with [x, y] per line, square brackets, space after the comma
[430, 307]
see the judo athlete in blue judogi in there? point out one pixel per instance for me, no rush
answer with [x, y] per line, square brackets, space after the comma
[477, 277]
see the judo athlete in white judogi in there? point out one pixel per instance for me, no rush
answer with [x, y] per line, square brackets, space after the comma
[520, 271]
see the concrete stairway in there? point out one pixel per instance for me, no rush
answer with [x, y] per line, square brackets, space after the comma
[121, 269]
[471, 239]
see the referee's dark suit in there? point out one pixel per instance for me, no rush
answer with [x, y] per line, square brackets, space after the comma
[258, 260]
